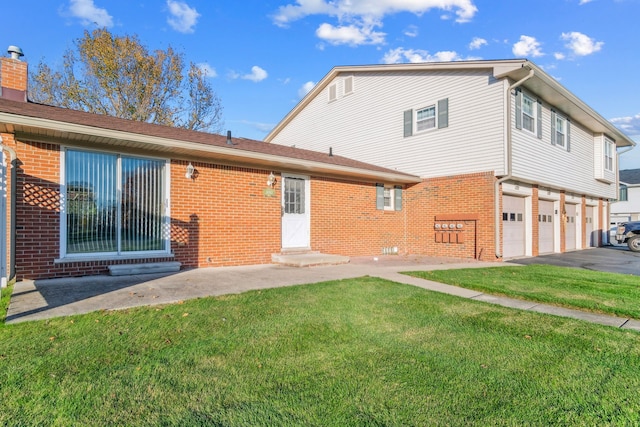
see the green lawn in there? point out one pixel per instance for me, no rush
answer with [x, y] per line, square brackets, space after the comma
[353, 352]
[599, 292]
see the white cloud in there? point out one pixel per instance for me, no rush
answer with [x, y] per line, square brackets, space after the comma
[351, 35]
[207, 69]
[411, 31]
[477, 43]
[183, 18]
[305, 89]
[584, 2]
[256, 75]
[527, 46]
[402, 55]
[559, 56]
[87, 11]
[581, 44]
[629, 125]
[358, 19]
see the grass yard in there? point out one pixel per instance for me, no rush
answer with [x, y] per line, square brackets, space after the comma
[599, 292]
[353, 352]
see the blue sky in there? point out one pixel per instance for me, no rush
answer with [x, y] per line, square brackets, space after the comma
[262, 56]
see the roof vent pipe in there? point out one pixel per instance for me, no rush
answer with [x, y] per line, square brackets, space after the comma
[15, 52]
[229, 141]
[330, 151]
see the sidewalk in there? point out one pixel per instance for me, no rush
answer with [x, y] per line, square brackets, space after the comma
[43, 299]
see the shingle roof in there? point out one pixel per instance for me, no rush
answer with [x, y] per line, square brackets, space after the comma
[63, 115]
[630, 176]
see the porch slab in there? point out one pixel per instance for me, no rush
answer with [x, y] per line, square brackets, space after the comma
[309, 259]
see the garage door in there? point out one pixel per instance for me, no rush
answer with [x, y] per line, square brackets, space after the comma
[513, 227]
[591, 234]
[545, 227]
[570, 228]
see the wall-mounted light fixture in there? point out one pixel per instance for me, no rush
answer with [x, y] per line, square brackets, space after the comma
[271, 180]
[190, 171]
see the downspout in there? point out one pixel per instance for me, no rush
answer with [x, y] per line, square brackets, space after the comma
[508, 176]
[12, 211]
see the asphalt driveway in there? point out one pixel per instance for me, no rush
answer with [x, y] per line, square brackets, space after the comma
[614, 259]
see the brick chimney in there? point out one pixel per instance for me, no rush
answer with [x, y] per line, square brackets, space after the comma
[13, 76]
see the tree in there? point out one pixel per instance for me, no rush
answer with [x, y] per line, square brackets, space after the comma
[118, 76]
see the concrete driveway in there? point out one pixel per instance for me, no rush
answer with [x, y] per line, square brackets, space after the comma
[614, 259]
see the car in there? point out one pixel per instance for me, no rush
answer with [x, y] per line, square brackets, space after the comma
[629, 233]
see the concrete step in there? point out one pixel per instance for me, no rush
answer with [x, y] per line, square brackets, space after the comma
[308, 259]
[144, 268]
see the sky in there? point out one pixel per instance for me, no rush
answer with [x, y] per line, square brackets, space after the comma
[262, 57]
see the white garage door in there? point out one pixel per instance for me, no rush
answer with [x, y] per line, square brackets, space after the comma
[545, 227]
[513, 227]
[570, 228]
[592, 238]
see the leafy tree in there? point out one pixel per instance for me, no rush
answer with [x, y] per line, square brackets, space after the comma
[118, 76]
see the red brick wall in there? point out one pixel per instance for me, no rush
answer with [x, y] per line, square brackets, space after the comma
[344, 219]
[222, 217]
[454, 199]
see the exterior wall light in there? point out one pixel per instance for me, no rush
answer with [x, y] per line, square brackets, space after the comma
[271, 180]
[190, 171]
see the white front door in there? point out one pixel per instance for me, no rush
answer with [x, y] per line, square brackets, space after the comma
[296, 219]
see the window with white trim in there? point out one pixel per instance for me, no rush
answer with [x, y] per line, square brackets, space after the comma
[624, 195]
[528, 113]
[560, 129]
[114, 204]
[609, 150]
[425, 118]
[389, 197]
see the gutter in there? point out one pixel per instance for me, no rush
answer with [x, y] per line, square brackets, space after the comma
[508, 176]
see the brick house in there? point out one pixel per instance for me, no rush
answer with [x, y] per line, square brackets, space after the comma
[85, 192]
[510, 160]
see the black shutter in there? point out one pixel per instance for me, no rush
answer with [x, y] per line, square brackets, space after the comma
[443, 113]
[518, 108]
[379, 196]
[539, 119]
[568, 134]
[397, 194]
[408, 123]
[553, 127]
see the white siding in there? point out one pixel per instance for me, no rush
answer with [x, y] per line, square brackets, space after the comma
[629, 209]
[537, 160]
[367, 125]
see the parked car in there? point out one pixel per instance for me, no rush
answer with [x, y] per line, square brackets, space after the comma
[629, 233]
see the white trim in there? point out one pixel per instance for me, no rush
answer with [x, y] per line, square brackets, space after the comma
[392, 198]
[425, 106]
[307, 210]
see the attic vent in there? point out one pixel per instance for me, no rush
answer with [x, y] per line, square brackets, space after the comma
[333, 92]
[348, 85]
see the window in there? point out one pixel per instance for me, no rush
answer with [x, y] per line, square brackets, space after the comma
[608, 155]
[623, 197]
[560, 130]
[388, 198]
[294, 202]
[114, 204]
[528, 113]
[426, 118]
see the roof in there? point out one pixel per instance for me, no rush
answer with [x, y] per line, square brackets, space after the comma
[630, 176]
[46, 123]
[542, 84]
